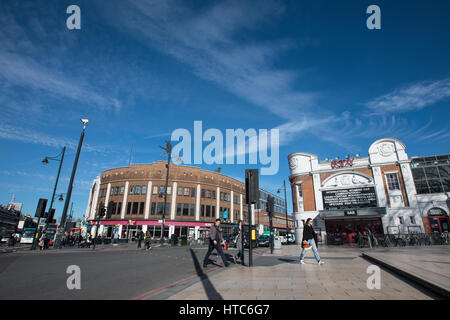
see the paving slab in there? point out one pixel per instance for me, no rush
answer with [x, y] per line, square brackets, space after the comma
[429, 266]
[281, 276]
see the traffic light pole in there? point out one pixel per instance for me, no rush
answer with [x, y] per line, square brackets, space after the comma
[250, 231]
[56, 184]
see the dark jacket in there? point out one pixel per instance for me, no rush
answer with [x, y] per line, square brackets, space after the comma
[215, 234]
[309, 233]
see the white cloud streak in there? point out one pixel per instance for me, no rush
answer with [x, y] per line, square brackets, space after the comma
[414, 97]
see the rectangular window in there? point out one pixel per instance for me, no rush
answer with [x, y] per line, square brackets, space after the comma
[119, 208]
[169, 190]
[192, 210]
[221, 196]
[202, 210]
[160, 208]
[186, 192]
[135, 207]
[208, 194]
[144, 189]
[400, 220]
[129, 208]
[208, 211]
[131, 189]
[155, 190]
[137, 190]
[141, 208]
[192, 192]
[203, 193]
[122, 189]
[153, 208]
[300, 190]
[180, 191]
[213, 211]
[392, 180]
[185, 210]
[413, 220]
[213, 194]
[161, 190]
[178, 209]
[112, 192]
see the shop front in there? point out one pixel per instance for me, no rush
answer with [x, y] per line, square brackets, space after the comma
[345, 226]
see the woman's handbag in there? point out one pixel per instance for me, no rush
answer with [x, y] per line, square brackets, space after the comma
[306, 245]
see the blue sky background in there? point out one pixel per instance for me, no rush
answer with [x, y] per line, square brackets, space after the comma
[140, 69]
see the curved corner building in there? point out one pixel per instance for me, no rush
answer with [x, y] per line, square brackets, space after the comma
[134, 196]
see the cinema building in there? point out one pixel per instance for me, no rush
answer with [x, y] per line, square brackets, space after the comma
[376, 192]
[134, 199]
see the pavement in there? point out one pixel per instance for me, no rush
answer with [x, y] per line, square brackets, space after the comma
[428, 266]
[280, 276]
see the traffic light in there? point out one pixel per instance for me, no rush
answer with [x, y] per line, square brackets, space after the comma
[111, 209]
[270, 205]
[101, 211]
[50, 215]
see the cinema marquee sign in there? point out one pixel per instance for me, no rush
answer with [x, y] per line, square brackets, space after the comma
[349, 198]
[342, 163]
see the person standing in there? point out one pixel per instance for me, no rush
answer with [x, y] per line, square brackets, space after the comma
[309, 242]
[41, 242]
[139, 238]
[148, 240]
[239, 246]
[215, 239]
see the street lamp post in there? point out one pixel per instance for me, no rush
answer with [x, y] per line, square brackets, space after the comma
[285, 209]
[45, 161]
[69, 190]
[168, 149]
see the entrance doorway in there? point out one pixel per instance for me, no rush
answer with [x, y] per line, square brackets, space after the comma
[340, 231]
[439, 224]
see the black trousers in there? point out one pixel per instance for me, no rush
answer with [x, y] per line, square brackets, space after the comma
[240, 255]
[218, 247]
[139, 243]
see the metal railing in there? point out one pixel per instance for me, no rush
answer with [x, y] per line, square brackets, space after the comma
[391, 240]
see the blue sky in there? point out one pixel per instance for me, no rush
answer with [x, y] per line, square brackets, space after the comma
[140, 69]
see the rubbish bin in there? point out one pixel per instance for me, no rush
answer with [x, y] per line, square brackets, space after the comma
[277, 243]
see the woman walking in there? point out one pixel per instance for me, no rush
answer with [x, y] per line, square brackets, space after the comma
[239, 246]
[309, 242]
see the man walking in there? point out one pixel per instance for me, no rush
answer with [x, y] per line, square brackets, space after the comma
[309, 242]
[215, 239]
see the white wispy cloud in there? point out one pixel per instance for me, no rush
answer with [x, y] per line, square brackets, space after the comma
[414, 97]
[207, 40]
[28, 136]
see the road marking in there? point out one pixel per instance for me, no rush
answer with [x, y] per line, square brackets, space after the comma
[153, 292]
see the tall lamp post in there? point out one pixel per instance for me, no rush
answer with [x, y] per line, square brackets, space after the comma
[59, 158]
[285, 208]
[61, 227]
[168, 149]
